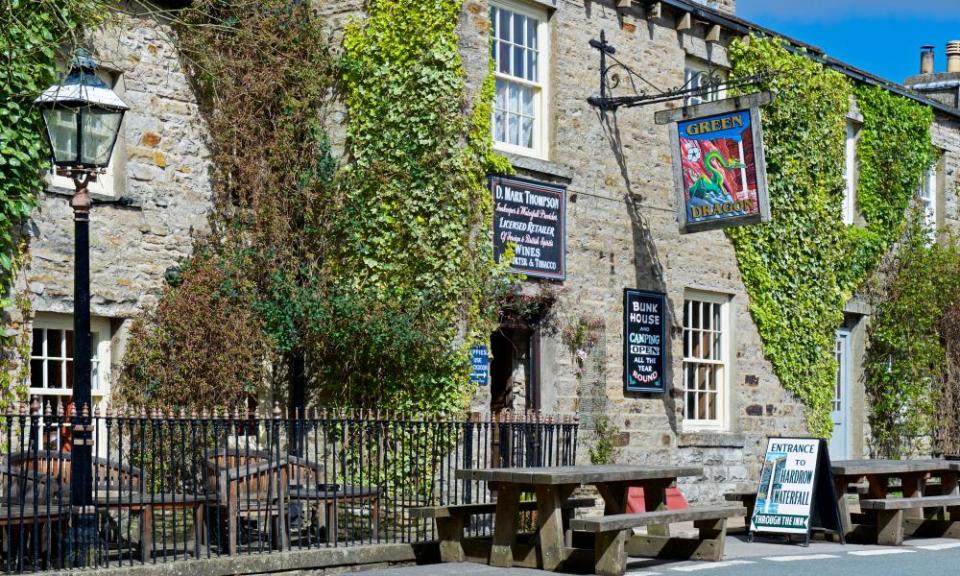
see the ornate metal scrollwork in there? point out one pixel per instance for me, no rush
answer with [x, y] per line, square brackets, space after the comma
[644, 91]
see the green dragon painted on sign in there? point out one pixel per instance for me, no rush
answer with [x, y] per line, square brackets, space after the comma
[711, 190]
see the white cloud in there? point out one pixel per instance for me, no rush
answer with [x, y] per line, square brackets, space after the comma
[826, 10]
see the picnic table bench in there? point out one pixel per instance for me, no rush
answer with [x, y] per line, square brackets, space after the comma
[888, 518]
[451, 521]
[613, 537]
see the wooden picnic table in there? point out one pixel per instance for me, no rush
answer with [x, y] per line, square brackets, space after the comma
[913, 476]
[553, 486]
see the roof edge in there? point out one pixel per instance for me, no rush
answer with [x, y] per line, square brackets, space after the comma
[739, 25]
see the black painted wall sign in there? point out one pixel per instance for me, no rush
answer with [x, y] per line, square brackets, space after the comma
[644, 341]
[531, 216]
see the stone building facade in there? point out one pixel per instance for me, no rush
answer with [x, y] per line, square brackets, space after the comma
[621, 226]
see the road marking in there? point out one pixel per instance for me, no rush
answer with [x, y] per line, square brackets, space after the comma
[943, 546]
[802, 557]
[711, 565]
[882, 552]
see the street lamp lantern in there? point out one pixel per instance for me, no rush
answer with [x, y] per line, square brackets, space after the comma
[82, 117]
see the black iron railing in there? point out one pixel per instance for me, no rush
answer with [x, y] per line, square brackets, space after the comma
[174, 486]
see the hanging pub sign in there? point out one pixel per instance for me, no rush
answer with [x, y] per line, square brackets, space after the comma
[479, 365]
[532, 217]
[796, 493]
[644, 341]
[719, 168]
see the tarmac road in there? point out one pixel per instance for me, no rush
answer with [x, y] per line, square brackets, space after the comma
[919, 557]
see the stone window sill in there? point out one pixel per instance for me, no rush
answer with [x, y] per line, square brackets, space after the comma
[539, 168]
[710, 440]
[100, 199]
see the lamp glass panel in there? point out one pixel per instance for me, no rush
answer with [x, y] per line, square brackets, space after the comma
[100, 129]
[62, 132]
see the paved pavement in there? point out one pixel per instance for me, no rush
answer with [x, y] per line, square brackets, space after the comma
[918, 557]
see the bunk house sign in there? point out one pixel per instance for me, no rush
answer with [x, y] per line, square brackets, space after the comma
[531, 216]
[644, 341]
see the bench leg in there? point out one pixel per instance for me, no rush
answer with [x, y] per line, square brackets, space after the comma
[610, 556]
[713, 532]
[450, 531]
[505, 526]
[889, 527]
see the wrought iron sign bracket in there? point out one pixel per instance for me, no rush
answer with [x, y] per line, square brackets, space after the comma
[645, 92]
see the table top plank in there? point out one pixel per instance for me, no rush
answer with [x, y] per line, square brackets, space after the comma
[600, 474]
[891, 467]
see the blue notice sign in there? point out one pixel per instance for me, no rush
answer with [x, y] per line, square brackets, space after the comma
[479, 365]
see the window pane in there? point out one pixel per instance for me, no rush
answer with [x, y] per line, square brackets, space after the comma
[514, 99]
[504, 58]
[494, 20]
[69, 376]
[527, 102]
[69, 343]
[55, 343]
[513, 129]
[54, 374]
[504, 25]
[532, 66]
[519, 25]
[711, 406]
[518, 64]
[36, 346]
[526, 132]
[499, 126]
[532, 33]
[36, 373]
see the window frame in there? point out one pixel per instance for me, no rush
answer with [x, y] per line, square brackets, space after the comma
[693, 65]
[928, 194]
[541, 107]
[723, 393]
[850, 173]
[100, 328]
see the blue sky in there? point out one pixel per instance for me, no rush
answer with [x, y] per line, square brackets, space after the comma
[880, 36]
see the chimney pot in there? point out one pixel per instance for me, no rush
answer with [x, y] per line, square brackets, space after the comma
[953, 56]
[926, 59]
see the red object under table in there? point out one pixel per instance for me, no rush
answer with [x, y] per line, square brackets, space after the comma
[675, 500]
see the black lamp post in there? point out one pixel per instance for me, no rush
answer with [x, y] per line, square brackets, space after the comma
[82, 117]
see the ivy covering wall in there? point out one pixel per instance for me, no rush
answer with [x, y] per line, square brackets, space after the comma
[804, 265]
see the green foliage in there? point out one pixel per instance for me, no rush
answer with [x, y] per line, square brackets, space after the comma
[906, 362]
[32, 35]
[415, 212]
[604, 448]
[801, 268]
[201, 347]
[893, 149]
